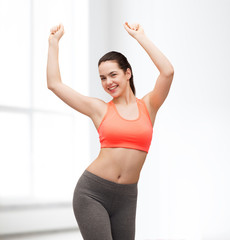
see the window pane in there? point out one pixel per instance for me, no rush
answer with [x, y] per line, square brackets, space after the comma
[53, 156]
[61, 13]
[14, 155]
[15, 52]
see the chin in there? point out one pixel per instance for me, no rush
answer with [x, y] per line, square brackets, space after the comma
[115, 94]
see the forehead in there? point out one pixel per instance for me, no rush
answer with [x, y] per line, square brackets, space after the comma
[107, 67]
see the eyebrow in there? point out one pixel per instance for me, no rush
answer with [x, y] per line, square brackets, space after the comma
[108, 74]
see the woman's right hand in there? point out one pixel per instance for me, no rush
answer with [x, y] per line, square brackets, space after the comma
[56, 33]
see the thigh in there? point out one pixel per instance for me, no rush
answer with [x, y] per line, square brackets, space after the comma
[123, 220]
[92, 217]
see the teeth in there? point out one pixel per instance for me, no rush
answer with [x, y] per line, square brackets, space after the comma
[112, 87]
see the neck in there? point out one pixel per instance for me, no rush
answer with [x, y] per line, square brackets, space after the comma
[127, 98]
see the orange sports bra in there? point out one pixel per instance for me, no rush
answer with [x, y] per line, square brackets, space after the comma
[116, 131]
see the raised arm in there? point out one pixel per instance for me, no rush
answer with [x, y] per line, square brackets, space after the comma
[162, 86]
[52, 71]
[89, 106]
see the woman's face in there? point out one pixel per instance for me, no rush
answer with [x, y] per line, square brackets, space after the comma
[113, 79]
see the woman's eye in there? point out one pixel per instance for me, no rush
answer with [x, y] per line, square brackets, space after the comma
[111, 75]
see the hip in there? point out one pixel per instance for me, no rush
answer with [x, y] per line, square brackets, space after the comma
[111, 195]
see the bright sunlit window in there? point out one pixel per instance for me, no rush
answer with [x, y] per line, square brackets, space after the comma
[41, 153]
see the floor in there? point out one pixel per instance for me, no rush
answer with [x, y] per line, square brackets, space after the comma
[71, 235]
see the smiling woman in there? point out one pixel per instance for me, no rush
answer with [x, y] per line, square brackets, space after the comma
[118, 62]
[112, 74]
[105, 196]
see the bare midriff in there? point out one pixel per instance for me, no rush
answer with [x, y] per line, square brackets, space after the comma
[120, 165]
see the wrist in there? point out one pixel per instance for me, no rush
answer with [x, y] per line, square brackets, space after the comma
[140, 37]
[53, 42]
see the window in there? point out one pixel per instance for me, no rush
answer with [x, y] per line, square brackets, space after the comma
[41, 154]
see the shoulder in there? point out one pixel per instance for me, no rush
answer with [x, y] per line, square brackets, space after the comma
[101, 103]
[151, 110]
[100, 107]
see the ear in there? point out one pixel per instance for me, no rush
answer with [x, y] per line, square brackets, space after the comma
[128, 73]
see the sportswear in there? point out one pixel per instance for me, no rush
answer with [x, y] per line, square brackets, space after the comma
[116, 131]
[103, 209]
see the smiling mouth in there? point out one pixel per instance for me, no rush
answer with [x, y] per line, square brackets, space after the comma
[112, 88]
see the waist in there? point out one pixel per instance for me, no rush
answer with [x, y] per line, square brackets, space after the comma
[118, 164]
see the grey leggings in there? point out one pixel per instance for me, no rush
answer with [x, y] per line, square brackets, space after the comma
[105, 210]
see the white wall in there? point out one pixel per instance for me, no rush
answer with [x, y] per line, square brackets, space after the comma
[98, 45]
[183, 189]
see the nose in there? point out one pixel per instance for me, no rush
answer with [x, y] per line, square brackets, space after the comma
[109, 81]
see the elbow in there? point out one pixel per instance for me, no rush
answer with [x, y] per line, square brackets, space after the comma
[171, 70]
[168, 71]
[50, 87]
[171, 73]
[48, 82]
[52, 82]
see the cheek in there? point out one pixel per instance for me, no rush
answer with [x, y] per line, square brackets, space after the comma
[104, 85]
[122, 82]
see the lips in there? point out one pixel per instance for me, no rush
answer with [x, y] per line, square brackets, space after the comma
[113, 87]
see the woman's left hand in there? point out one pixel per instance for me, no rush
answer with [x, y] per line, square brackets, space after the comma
[135, 30]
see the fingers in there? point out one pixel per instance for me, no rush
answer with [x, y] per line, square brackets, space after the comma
[134, 26]
[61, 27]
[56, 28]
[129, 26]
[53, 29]
[126, 24]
